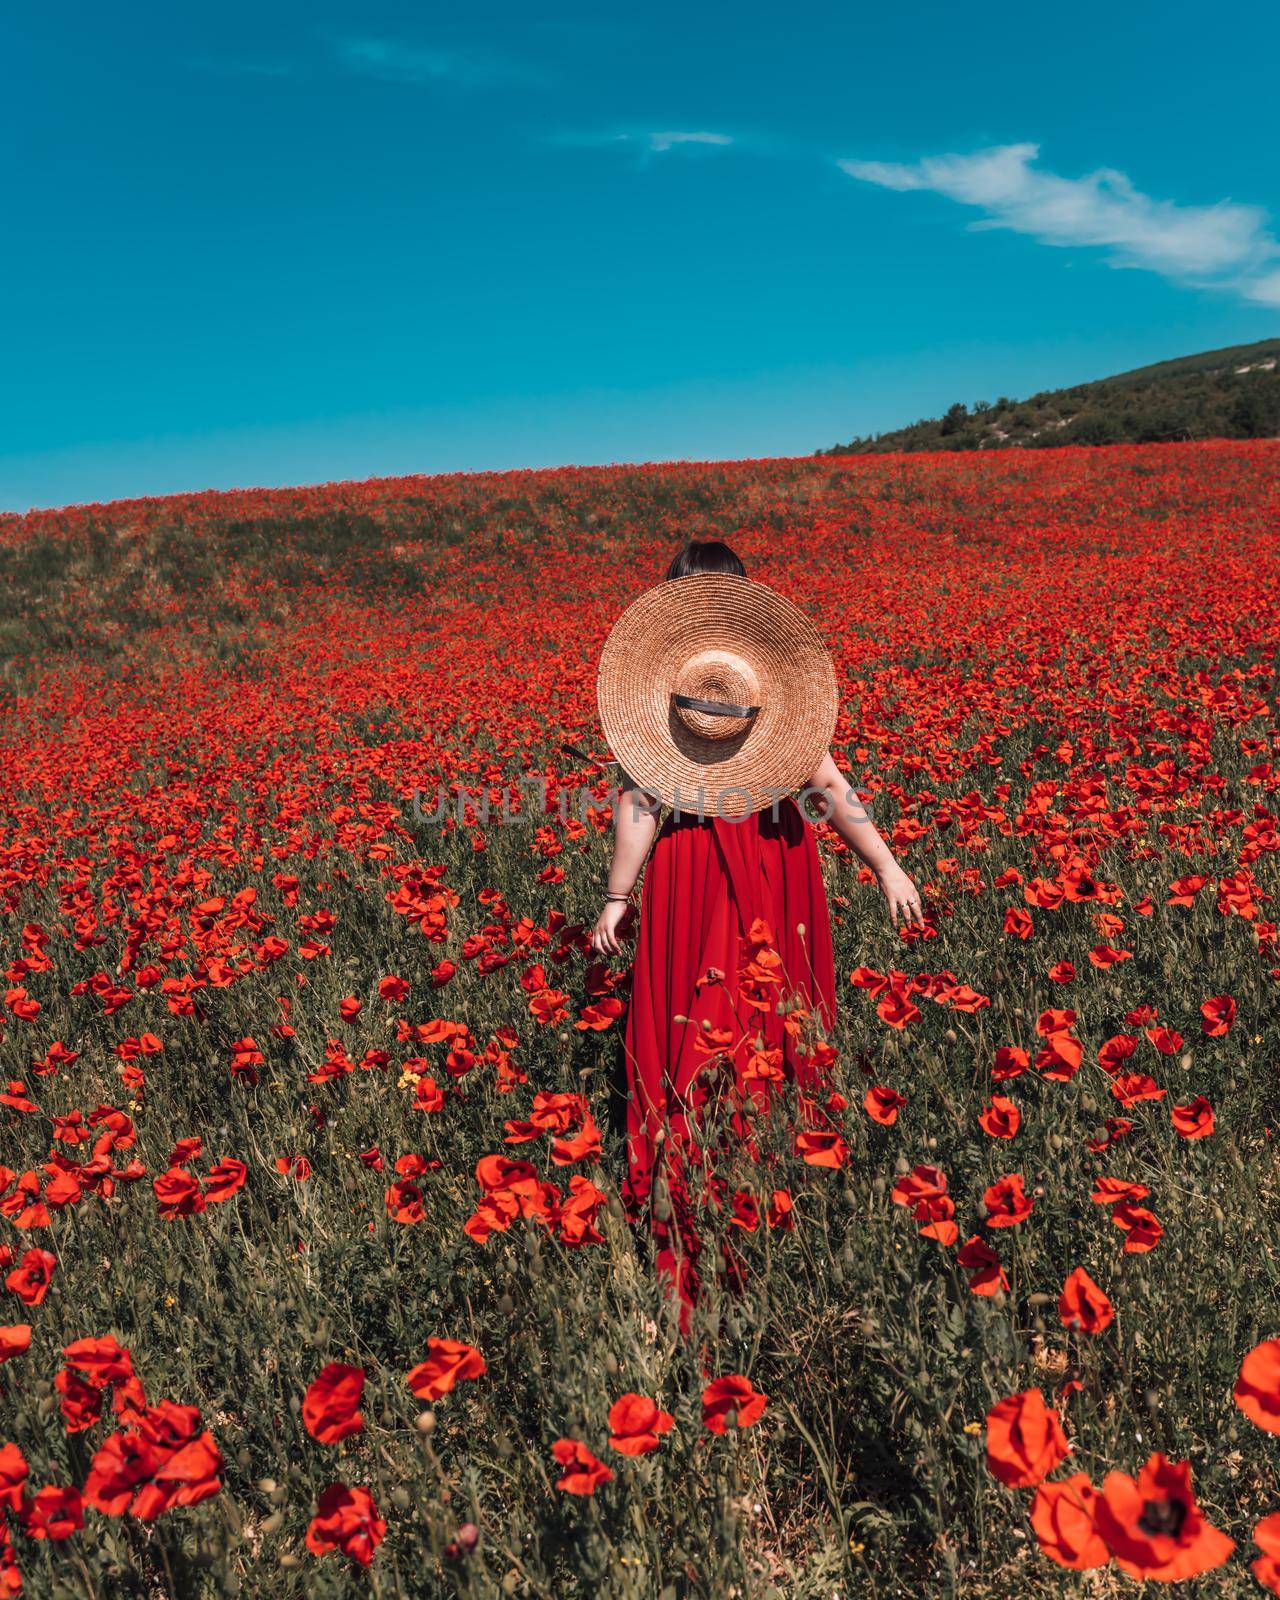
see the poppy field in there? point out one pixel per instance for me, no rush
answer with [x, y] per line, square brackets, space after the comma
[318, 1273]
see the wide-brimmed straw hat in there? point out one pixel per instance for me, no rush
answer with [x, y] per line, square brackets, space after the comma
[716, 695]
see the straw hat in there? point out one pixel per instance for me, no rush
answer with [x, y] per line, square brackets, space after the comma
[716, 694]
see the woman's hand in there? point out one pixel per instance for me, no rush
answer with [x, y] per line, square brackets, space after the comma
[903, 896]
[611, 924]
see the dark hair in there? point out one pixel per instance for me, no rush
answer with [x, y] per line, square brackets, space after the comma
[705, 555]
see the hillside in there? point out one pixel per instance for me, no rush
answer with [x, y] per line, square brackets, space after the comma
[1218, 394]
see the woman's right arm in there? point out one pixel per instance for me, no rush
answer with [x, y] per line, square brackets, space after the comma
[635, 821]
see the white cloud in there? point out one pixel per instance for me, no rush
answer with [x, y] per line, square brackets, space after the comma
[660, 143]
[657, 144]
[1224, 246]
[397, 61]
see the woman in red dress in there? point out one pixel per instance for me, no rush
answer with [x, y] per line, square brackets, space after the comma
[739, 885]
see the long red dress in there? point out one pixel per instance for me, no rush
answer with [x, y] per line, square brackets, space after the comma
[715, 893]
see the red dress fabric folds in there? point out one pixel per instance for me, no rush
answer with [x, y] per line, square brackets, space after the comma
[715, 892]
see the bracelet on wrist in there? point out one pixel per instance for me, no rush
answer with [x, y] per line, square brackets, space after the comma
[609, 895]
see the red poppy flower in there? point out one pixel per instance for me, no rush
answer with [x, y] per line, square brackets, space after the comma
[1110, 1191]
[584, 1472]
[404, 1202]
[1131, 1087]
[1063, 1518]
[1142, 1228]
[393, 988]
[1217, 1015]
[635, 1423]
[1266, 1569]
[102, 1360]
[162, 1460]
[80, 1402]
[13, 1474]
[731, 1396]
[821, 1148]
[781, 1211]
[1001, 1119]
[935, 1219]
[346, 1519]
[1007, 1202]
[448, 1361]
[1154, 1528]
[921, 1183]
[1194, 1120]
[330, 1408]
[1010, 1062]
[1257, 1390]
[179, 1194]
[1025, 1441]
[1115, 1052]
[31, 1278]
[1083, 1305]
[15, 1337]
[883, 1104]
[53, 1513]
[983, 1265]
[1060, 1057]
[226, 1177]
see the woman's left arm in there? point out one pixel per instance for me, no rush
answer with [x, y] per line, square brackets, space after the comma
[845, 813]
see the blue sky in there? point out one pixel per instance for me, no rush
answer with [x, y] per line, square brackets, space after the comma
[283, 243]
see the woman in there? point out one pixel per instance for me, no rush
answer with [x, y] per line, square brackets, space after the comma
[718, 691]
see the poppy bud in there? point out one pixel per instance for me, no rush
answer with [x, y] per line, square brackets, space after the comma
[425, 1422]
[951, 1036]
[266, 1485]
[400, 1498]
[274, 1523]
